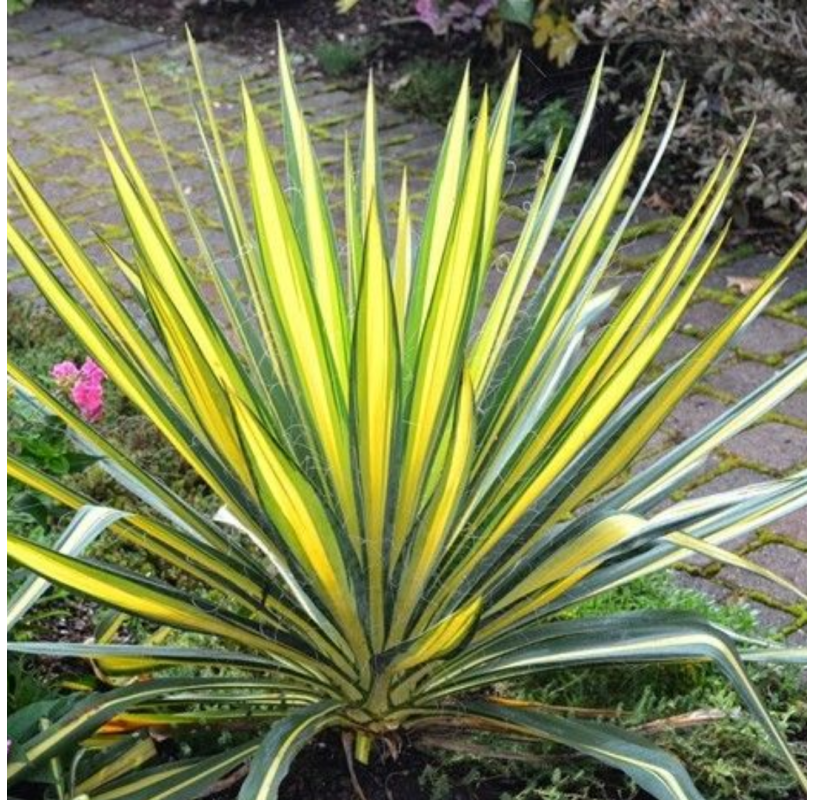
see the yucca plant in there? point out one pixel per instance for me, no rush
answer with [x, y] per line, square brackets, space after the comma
[417, 479]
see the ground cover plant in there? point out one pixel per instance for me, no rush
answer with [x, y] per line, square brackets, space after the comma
[413, 492]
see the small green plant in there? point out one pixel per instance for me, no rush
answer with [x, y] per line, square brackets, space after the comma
[24, 686]
[536, 132]
[415, 490]
[340, 59]
[428, 88]
[42, 441]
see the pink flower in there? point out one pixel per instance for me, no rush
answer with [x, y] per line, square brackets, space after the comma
[65, 373]
[84, 386]
[89, 398]
[91, 372]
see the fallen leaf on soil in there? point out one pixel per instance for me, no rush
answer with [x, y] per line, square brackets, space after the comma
[702, 716]
[799, 198]
[400, 83]
[657, 202]
[743, 284]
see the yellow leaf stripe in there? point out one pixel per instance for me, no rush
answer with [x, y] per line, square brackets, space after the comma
[309, 365]
[353, 226]
[733, 559]
[441, 639]
[203, 389]
[209, 566]
[318, 241]
[440, 216]
[439, 355]
[403, 257]
[574, 438]
[435, 532]
[579, 253]
[376, 403]
[584, 549]
[498, 146]
[298, 514]
[658, 408]
[135, 597]
[162, 264]
[504, 306]
[142, 751]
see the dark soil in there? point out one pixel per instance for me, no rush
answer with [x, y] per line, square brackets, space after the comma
[321, 772]
[251, 30]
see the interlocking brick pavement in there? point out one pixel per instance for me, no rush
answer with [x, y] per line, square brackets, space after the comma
[53, 122]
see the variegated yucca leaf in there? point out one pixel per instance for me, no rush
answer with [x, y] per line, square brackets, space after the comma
[417, 475]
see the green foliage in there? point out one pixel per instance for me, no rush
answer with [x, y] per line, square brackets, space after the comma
[535, 132]
[85, 769]
[428, 88]
[25, 686]
[341, 59]
[16, 6]
[43, 442]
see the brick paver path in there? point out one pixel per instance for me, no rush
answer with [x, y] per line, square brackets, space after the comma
[53, 119]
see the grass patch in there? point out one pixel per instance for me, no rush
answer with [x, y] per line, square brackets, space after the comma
[703, 722]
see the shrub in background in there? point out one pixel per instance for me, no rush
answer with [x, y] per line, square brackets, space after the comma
[413, 491]
[16, 6]
[743, 60]
[428, 89]
[537, 132]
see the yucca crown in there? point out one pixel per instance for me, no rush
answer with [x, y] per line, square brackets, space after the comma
[404, 462]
